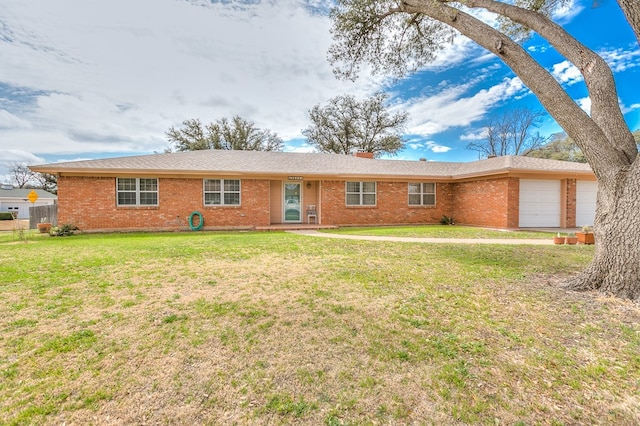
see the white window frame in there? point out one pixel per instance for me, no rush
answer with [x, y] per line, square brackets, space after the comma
[423, 193]
[222, 192]
[138, 191]
[361, 193]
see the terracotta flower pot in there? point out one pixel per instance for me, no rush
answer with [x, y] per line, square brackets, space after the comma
[558, 240]
[585, 237]
[44, 228]
[571, 240]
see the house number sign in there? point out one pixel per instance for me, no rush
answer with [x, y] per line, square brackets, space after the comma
[295, 178]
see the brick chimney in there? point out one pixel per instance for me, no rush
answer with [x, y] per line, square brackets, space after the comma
[362, 154]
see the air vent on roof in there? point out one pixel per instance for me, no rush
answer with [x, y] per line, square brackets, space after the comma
[423, 159]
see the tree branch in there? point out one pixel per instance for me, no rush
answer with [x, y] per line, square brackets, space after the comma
[597, 74]
[570, 116]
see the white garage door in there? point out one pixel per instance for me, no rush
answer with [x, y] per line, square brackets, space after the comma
[539, 203]
[585, 202]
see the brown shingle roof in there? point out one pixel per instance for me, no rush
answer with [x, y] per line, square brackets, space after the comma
[306, 164]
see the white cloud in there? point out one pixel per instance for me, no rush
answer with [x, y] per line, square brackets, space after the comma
[567, 11]
[437, 148]
[585, 104]
[10, 157]
[618, 59]
[621, 59]
[538, 48]
[8, 121]
[566, 73]
[451, 108]
[418, 145]
[114, 76]
[631, 107]
[474, 135]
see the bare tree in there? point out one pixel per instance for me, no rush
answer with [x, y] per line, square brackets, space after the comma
[511, 134]
[22, 174]
[24, 177]
[346, 125]
[238, 134]
[399, 36]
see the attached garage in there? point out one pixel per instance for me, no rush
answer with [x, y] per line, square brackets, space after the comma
[540, 203]
[586, 202]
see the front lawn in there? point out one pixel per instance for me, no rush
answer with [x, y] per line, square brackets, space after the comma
[441, 231]
[275, 328]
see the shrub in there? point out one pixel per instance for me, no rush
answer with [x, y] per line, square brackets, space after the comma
[446, 220]
[7, 216]
[63, 231]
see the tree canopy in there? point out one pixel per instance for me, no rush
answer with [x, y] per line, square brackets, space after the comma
[559, 147]
[238, 134]
[346, 125]
[24, 177]
[396, 37]
[562, 147]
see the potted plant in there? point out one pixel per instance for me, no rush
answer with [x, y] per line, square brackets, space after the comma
[571, 239]
[44, 226]
[586, 236]
[558, 239]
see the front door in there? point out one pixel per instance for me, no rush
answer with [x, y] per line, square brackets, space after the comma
[292, 202]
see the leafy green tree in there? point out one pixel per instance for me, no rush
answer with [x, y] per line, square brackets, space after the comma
[346, 125]
[238, 134]
[560, 147]
[395, 37]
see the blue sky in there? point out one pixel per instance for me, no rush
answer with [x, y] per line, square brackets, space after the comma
[88, 79]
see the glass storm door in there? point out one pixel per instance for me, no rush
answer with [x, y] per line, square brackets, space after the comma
[292, 210]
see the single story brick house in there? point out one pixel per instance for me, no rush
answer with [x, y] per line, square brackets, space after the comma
[253, 189]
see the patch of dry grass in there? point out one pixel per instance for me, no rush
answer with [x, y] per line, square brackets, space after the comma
[251, 328]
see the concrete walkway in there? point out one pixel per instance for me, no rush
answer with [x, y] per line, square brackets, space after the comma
[314, 233]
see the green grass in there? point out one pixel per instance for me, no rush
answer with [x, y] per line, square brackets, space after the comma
[440, 231]
[275, 328]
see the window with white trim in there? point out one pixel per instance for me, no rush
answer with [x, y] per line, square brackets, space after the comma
[221, 192]
[361, 193]
[422, 194]
[137, 191]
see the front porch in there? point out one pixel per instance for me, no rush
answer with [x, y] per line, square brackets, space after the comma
[293, 227]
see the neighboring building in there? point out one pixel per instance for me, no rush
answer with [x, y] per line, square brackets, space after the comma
[249, 189]
[16, 200]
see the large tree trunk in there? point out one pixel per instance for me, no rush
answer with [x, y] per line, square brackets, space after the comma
[604, 137]
[615, 268]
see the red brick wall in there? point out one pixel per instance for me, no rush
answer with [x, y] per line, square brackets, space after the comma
[513, 206]
[491, 203]
[571, 200]
[90, 204]
[392, 206]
